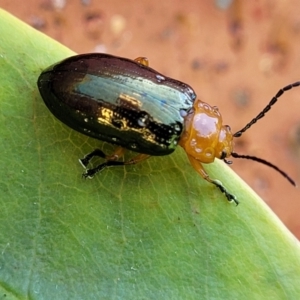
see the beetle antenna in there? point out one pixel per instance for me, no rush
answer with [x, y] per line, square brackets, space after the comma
[263, 161]
[267, 108]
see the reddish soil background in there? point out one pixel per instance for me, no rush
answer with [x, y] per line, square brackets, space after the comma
[236, 56]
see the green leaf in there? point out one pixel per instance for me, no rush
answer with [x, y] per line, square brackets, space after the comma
[155, 230]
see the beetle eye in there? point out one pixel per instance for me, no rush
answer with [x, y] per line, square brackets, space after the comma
[223, 155]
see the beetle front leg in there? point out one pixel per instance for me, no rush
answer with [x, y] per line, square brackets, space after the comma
[199, 168]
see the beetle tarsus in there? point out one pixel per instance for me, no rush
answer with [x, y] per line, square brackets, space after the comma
[83, 162]
[230, 197]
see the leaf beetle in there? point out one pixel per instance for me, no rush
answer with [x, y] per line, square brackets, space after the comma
[129, 104]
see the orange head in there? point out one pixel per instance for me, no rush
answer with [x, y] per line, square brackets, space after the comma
[204, 137]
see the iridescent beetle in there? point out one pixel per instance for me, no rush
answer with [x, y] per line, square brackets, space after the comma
[125, 102]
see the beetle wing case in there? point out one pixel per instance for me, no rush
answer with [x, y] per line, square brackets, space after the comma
[117, 100]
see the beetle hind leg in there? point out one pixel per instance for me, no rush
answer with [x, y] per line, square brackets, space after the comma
[87, 158]
[99, 153]
[89, 173]
[111, 161]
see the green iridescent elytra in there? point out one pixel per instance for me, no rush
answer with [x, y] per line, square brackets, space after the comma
[118, 100]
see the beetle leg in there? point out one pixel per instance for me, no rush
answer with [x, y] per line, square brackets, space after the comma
[111, 161]
[142, 60]
[117, 153]
[89, 173]
[99, 153]
[199, 168]
[140, 157]
[87, 158]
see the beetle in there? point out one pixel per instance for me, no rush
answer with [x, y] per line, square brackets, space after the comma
[129, 104]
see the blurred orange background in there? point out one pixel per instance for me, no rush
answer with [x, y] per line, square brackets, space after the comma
[235, 54]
